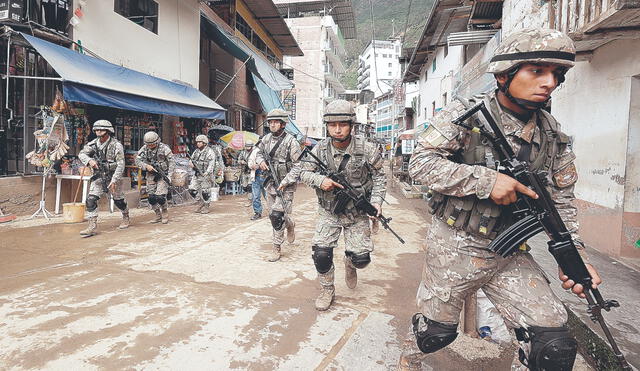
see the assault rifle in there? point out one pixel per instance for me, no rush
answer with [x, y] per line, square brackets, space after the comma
[195, 167]
[160, 174]
[102, 172]
[350, 193]
[536, 215]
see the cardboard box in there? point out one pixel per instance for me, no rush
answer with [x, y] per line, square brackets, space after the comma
[11, 10]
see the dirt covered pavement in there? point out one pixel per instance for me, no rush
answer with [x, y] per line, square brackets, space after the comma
[198, 294]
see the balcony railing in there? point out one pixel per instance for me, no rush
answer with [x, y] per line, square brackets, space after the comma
[593, 23]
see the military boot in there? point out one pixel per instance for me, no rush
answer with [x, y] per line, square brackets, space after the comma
[327, 290]
[350, 273]
[275, 254]
[291, 232]
[410, 357]
[91, 228]
[125, 221]
[158, 218]
[165, 214]
[205, 209]
[200, 207]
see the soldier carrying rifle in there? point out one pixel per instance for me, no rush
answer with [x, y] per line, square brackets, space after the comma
[157, 160]
[105, 155]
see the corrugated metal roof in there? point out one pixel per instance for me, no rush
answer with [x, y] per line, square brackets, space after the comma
[470, 37]
[487, 9]
[266, 12]
[446, 16]
[341, 11]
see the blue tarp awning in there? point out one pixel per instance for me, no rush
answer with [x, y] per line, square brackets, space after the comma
[90, 80]
[270, 99]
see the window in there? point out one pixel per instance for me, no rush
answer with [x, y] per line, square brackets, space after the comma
[140, 12]
[444, 99]
[259, 44]
[433, 65]
[389, 73]
[390, 64]
[433, 108]
[446, 50]
[243, 26]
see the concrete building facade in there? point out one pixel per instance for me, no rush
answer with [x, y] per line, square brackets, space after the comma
[379, 66]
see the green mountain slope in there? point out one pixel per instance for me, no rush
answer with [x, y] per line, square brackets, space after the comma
[389, 19]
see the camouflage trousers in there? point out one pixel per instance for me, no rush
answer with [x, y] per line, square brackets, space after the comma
[158, 188]
[456, 266]
[275, 203]
[202, 184]
[516, 285]
[96, 189]
[357, 233]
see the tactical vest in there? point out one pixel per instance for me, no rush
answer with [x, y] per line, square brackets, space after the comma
[357, 170]
[157, 156]
[201, 160]
[484, 218]
[282, 157]
[107, 153]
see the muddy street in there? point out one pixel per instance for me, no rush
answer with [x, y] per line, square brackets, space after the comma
[198, 294]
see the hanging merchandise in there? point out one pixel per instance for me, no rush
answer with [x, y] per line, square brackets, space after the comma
[50, 140]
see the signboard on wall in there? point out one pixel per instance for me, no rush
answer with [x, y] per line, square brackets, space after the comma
[407, 146]
[289, 102]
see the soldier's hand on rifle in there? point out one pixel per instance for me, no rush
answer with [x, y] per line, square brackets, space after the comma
[264, 166]
[191, 164]
[505, 188]
[112, 187]
[379, 208]
[577, 288]
[151, 168]
[328, 184]
[93, 164]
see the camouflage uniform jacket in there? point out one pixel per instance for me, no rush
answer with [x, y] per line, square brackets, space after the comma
[243, 161]
[218, 151]
[285, 157]
[363, 170]
[161, 155]
[111, 150]
[205, 160]
[439, 160]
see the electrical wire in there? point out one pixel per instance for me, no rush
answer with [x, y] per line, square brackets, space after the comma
[406, 23]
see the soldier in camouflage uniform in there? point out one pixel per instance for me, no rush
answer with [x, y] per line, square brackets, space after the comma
[468, 203]
[154, 153]
[245, 176]
[361, 163]
[105, 148]
[205, 161]
[284, 151]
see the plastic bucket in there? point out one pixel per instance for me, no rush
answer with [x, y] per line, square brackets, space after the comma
[73, 212]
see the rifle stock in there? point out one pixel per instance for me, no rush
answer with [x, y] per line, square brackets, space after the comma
[537, 215]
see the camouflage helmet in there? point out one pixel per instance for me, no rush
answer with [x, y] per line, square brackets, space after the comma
[540, 45]
[339, 110]
[103, 125]
[278, 114]
[202, 138]
[151, 137]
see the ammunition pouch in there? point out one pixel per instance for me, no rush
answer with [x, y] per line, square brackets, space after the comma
[340, 203]
[481, 218]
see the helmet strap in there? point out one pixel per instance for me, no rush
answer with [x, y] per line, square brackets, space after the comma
[525, 104]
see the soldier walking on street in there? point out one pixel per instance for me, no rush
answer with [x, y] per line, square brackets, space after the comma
[204, 161]
[470, 199]
[361, 163]
[157, 160]
[278, 152]
[105, 155]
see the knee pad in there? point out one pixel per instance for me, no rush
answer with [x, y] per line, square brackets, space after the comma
[277, 219]
[552, 348]
[432, 336]
[359, 260]
[92, 202]
[153, 199]
[121, 204]
[193, 193]
[161, 200]
[205, 196]
[322, 258]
